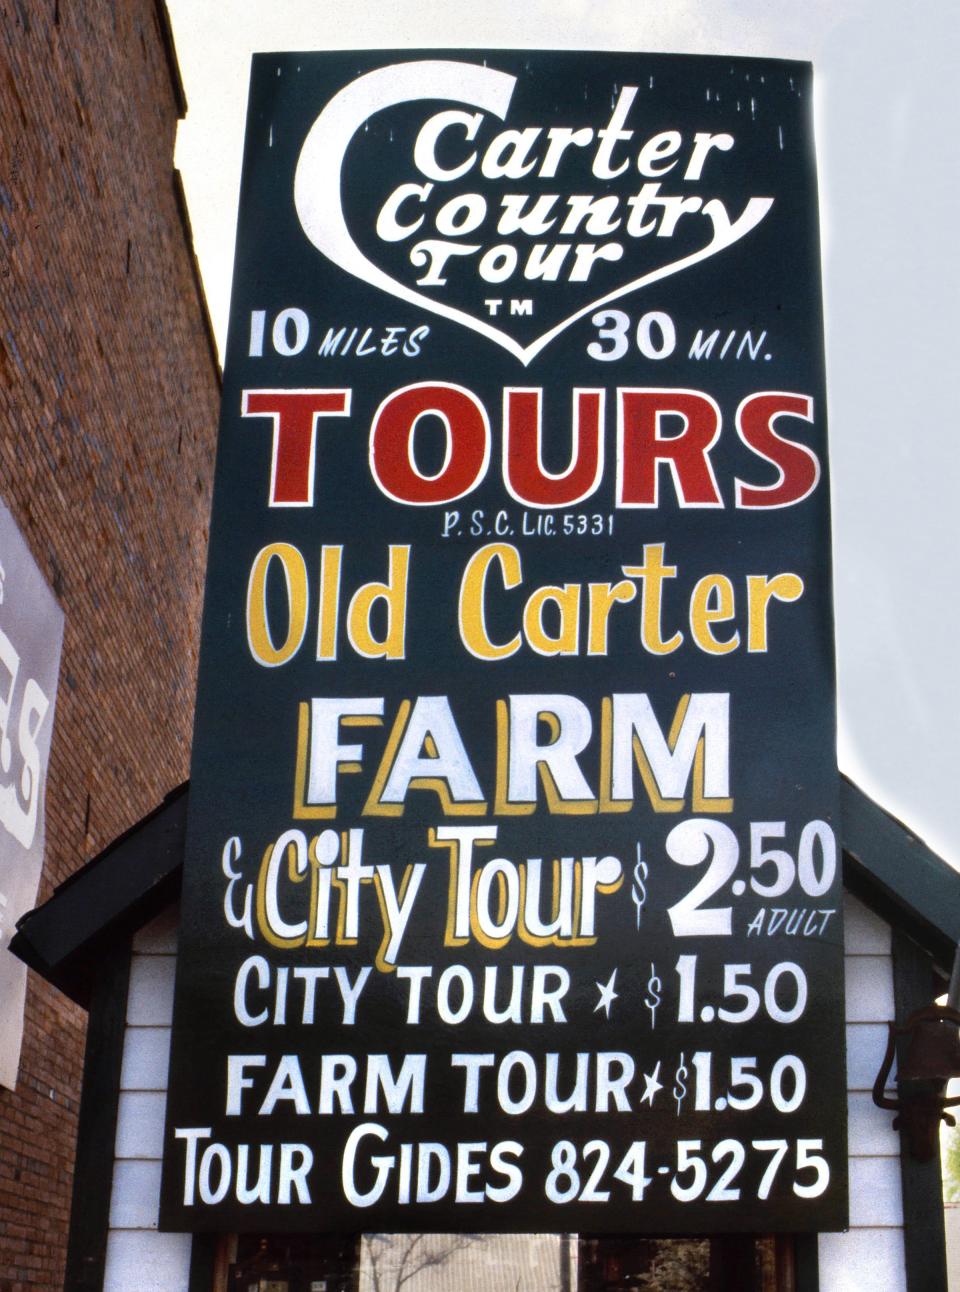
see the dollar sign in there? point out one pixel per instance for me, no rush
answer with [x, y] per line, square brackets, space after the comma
[679, 1085]
[653, 996]
[638, 892]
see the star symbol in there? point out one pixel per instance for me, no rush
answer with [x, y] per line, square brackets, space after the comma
[607, 995]
[652, 1085]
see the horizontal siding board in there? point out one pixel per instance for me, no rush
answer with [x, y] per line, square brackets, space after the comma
[135, 1198]
[140, 1260]
[870, 1130]
[864, 932]
[869, 989]
[862, 1259]
[876, 1197]
[150, 1002]
[140, 1124]
[146, 1057]
[866, 1046]
[159, 937]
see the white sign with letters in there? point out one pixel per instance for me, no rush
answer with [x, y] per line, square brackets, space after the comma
[31, 635]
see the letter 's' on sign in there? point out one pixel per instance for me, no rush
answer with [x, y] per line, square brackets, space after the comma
[512, 893]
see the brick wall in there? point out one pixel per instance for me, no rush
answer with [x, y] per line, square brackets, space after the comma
[108, 402]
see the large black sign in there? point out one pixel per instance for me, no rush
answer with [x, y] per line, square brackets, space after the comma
[512, 897]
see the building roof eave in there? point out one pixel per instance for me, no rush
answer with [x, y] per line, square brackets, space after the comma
[898, 875]
[107, 899]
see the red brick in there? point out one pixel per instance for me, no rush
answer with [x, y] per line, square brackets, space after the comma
[108, 406]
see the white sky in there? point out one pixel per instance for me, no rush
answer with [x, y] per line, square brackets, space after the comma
[887, 122]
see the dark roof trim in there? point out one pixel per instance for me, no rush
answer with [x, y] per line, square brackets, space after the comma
[170, 50]
[885, 865]
[108, 899]
[895, 872]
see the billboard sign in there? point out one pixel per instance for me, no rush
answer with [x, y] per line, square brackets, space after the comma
[512, 895]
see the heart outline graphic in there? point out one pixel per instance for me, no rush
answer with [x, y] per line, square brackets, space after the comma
[319, 174]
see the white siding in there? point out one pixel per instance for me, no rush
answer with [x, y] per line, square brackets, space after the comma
[866, 1043]
[862, 1259]
[865, 933]
[143, 1261]
[871, 1253]
[146, 1055]
[150, 1001]
[870, 1130]
[135, 1200]
[869, 988]
[139, 1258]
[140, 1124]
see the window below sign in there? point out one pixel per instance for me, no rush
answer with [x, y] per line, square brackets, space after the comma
[506, 1262]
